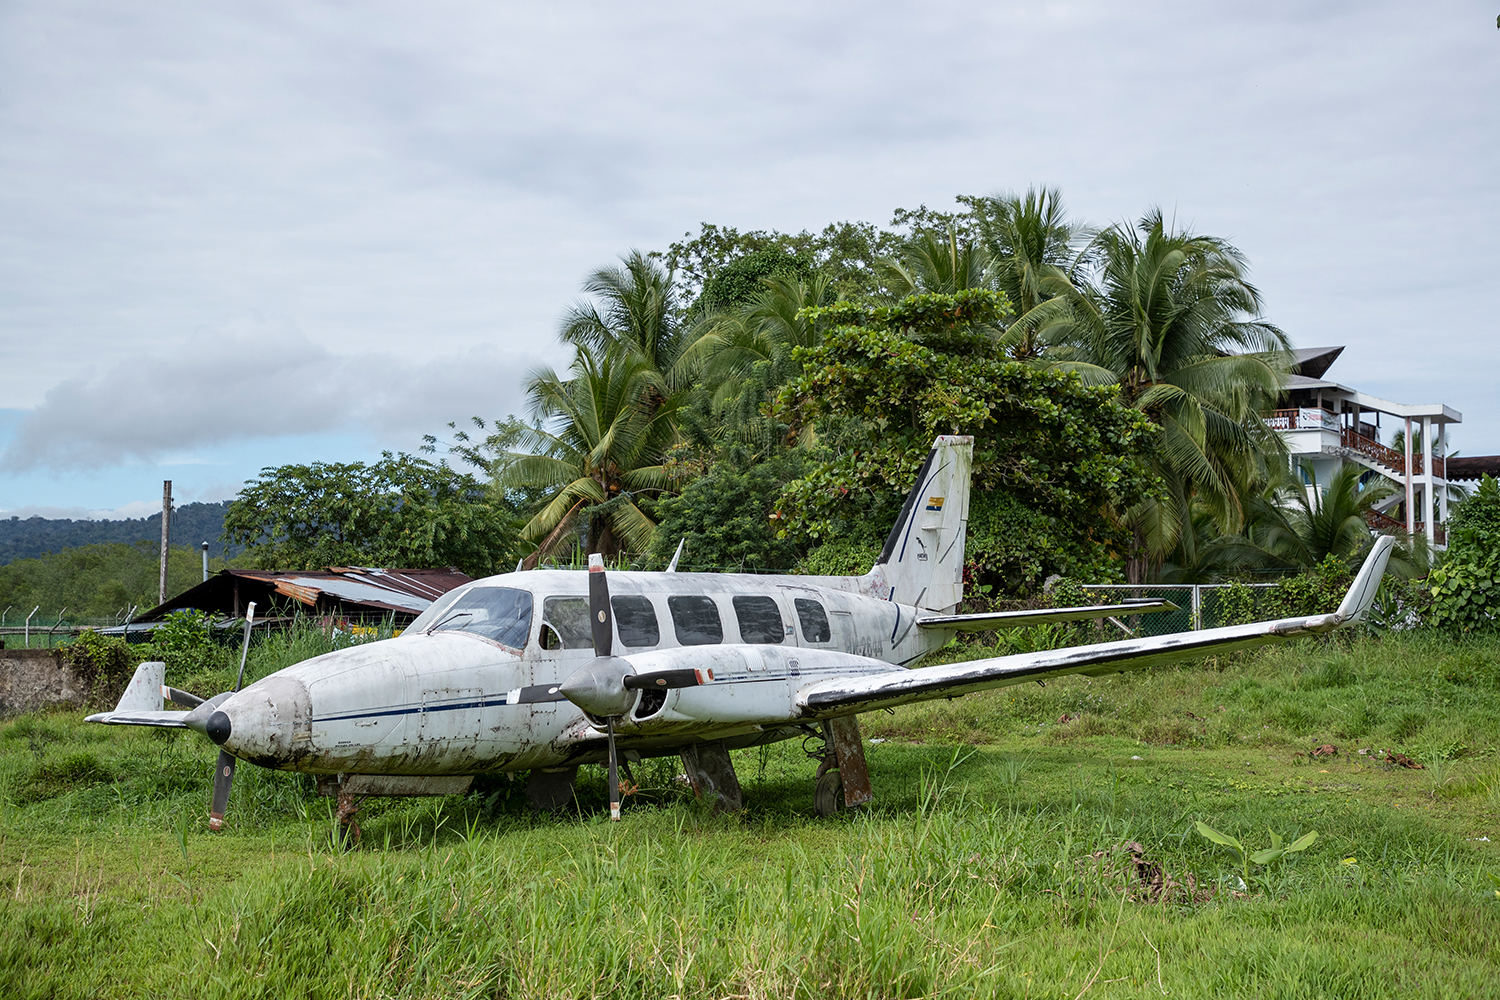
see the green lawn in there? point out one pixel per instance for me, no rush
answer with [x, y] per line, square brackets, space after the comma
[1007, 854]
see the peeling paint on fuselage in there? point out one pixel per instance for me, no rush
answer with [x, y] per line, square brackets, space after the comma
[454, 702]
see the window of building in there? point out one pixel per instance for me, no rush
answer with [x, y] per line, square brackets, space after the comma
[813, 619]
[760, 619]
[635, 619]
[696, 620]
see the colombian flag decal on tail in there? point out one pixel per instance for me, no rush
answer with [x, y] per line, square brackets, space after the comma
[934, 503]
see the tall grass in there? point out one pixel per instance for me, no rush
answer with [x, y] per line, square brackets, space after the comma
[1006, 854]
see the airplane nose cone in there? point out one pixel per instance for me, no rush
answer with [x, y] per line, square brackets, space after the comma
[218, 728]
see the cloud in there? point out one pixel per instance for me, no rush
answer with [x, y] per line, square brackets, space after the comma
[254, 380]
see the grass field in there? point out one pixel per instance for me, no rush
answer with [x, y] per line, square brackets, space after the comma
[1008, 853]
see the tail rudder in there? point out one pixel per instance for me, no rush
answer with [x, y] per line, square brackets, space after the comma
[922, 562]
[144, 692]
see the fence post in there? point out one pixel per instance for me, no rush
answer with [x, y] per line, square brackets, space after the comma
[1197, 607]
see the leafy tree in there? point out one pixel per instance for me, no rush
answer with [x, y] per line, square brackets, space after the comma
[850, 254]
[741, 282]
[886, 380]
[400, 511]
[728, 519]
[1170, 319]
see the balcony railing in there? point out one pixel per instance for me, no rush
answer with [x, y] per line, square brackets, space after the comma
[1306, 418]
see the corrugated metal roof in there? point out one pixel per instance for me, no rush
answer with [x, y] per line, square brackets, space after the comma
[407, 591]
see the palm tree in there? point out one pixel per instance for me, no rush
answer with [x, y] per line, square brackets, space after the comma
[1170, 318]
[637, 314]
[1033, 252]
[602, 454]
[746, 355]
[938, 265]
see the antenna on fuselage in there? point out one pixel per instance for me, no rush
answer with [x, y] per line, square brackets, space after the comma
[672, 566]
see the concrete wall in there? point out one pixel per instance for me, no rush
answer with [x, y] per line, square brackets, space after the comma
[31, 679]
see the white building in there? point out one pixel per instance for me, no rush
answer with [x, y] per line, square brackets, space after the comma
[1326, 425]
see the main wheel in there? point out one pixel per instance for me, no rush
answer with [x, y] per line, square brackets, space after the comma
[828, 795]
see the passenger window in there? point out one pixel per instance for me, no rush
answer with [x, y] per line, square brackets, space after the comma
[814, 620]
[636, 620]
[569, 619]
[696, 620]
[760, 619]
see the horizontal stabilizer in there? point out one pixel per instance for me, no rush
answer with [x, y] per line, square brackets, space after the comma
[160, 720]
[985, 621]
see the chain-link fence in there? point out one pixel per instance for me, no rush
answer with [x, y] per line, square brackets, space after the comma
[38, 629]
[1199, 605]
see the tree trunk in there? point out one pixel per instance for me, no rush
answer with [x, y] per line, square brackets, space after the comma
[1135, 562]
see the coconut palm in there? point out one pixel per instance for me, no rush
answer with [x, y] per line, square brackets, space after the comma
[746, 355]
[1170, 317]
[636, 312]
[1033, 250]
[597, 449]
[942, 265]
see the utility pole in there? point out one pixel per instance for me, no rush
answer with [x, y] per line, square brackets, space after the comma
[166, 537]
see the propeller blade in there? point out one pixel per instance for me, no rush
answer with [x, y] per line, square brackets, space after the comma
[599, 609]
[223, 777]
[614, 772]
[245, 648]
[662, 679]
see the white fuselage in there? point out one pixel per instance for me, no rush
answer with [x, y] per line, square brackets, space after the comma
[455, 699]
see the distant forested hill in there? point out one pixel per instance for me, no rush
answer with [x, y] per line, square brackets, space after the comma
[36, 536]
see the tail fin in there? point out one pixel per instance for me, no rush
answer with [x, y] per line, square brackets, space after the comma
[1361, 595]
[923, 559]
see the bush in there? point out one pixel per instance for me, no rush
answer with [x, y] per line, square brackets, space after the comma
[1466, 588]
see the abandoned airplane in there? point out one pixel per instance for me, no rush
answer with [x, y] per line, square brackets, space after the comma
[547, 669]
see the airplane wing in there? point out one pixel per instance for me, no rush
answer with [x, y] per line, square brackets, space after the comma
[988, 620]
[899, 687]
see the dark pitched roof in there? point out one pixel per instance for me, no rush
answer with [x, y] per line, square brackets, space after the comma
[339, 590]
[1464, 467]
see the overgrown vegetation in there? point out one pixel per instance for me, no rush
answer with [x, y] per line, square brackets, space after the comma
[1028, 841]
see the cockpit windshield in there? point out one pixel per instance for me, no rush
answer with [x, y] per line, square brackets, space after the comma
[499, 613]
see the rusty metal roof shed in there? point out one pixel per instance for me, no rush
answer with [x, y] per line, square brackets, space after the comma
[350, 591]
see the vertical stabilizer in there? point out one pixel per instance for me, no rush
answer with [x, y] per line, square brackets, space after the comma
[923, 559]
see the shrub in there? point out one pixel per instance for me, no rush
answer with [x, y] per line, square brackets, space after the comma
[1466, 588]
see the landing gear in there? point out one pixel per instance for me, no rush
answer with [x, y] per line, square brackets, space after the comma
[346, 834]
[828, 794]
[843, 775]
[711, 773]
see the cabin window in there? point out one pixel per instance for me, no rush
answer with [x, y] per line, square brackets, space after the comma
[696, 620]
[567, 618]
[760, 620]
[635, 619]
[499, 613]
[813, 619]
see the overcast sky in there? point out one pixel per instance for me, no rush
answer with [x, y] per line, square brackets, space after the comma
[244, 234]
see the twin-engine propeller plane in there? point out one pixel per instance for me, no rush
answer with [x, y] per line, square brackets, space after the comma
[549, 669]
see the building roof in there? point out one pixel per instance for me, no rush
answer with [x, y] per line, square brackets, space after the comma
[1464, 467]
[1314, 362]
[343, 590]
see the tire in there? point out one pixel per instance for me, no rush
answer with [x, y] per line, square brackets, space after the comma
[828, 794]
